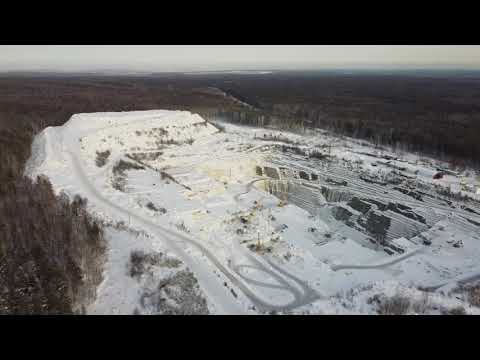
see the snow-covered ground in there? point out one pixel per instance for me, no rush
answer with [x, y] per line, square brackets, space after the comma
[262, 227]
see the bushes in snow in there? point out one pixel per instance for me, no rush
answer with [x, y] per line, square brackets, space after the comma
[458, 310]
[119, 181]
[102, 158]
[474, 295]
[152, 207]
[142, 263]
[420, 303]
[278, 138]
[176, 293]
[395, 305]
[317, 155]
[471, 293]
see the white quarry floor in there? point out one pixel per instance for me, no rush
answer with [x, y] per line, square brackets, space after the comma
[251, 252]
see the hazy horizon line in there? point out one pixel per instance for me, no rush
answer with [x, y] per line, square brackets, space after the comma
[343, 67]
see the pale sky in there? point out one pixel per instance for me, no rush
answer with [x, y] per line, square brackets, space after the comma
[231, 57]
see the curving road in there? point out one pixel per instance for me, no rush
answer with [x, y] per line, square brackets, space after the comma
[377, 266]
[249, 187]
[462, 280]
[173, 238]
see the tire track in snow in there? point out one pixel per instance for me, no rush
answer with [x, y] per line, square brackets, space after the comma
[171, 236]
[377, 266]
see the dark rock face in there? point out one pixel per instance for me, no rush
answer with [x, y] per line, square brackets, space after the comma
[372, 181]
[389, 251]
[378, 225]
[473, 222]
[340, 213]
[470, 210]
[406, 211]
[380, 206]
[271, 172]
[359, 205]
[258, 171]
[413, 194]
[394, 248]
[303, 175]
[427, 242]
[333, 195]
[335, 182]
[458, 244]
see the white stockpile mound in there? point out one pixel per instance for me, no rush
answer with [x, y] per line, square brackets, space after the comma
[66, 155]
[87, 133]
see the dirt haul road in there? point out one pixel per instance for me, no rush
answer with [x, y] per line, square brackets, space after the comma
[174, 238]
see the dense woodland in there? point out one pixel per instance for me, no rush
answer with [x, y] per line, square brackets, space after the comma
[51, 250]
[435, 115]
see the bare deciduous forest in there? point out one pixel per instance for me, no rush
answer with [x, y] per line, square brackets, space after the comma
[51, 250]
[434, 113]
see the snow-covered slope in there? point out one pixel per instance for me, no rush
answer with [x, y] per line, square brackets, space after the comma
[117, 132]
